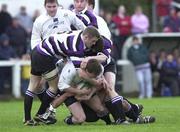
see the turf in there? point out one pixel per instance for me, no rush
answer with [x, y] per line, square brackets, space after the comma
[166, 111]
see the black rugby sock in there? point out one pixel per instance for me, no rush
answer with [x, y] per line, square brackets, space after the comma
[47, 99]
[28, 101]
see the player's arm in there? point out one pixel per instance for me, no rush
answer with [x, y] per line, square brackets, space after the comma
[82, 61]
[76, 91]
[93, 81]
[87, 96]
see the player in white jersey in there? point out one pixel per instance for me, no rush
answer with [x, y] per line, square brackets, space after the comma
[72, 81]
[54, 20]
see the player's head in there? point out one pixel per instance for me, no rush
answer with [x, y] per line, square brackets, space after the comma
[80, 5]
[51, 7]
[92, 39]
[91, 4]
[93, 68]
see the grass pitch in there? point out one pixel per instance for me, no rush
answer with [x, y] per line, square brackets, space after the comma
[166, 111]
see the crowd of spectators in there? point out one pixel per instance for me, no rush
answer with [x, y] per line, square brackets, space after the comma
[168, 15]
[125, 25]
[15, 33]
[165, 67]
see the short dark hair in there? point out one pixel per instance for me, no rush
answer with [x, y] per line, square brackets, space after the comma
[91, 31]
[94, 67]
[135, 38]
[91, 2]
[50, 1]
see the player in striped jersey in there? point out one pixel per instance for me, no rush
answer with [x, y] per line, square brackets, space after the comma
[43, 62]
[89, 18]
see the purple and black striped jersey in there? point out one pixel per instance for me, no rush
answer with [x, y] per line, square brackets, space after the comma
[70, 45]
[106, 51]
[88, 18]
[63, 45]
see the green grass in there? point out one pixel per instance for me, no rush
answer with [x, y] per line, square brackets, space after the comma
[166, 111]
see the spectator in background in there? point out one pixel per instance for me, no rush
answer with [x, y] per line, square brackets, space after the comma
[5, 19]
[139, 56]
[155, 71]
[178, 17]
[25, 20]
[178, 67]
[123, 23]
[169, 75]
[18, 37]
[36, 14]
[163, 8]
[6, 53]
[114, 33]
[176, 53]
[101, 12]
[161, 58]
[171, 22]
[140, 22]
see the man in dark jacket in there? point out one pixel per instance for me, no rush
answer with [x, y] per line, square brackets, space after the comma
[5, 19]
[138, 55]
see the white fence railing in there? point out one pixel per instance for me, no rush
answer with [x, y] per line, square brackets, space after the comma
[16, 74]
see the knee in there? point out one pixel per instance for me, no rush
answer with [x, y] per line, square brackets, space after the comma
[81, 118]
[101, 111]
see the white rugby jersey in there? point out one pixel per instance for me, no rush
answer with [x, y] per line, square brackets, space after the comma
[46, 25]
[102, 27]
[69, 77]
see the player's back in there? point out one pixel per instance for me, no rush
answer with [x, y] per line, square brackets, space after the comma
[64, 44]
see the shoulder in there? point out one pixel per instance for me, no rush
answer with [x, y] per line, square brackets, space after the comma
[65, 12]
[107, 42]
[41, 19]
[100, 19]
[69, 69]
